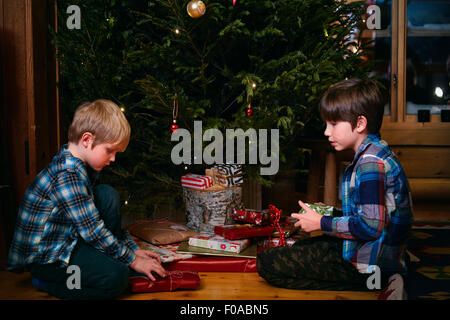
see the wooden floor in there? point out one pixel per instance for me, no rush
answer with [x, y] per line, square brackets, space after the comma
[214, 286]
[222, 285]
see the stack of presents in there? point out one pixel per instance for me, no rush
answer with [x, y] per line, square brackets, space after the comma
[223, 244]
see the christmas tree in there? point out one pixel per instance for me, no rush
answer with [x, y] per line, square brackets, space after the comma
[273, 57]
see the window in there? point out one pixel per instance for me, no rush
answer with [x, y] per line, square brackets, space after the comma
[412, 44]
[427, 56]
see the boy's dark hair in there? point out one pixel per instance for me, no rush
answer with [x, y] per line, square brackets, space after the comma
[349, 99]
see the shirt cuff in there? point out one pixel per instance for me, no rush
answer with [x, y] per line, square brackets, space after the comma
[128, 257]
[326, 223]
[129, 242]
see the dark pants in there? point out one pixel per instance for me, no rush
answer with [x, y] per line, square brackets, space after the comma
[102, 277]
[311, 264]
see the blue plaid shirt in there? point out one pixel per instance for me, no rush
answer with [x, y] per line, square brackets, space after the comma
[58, 209]
[377, 210]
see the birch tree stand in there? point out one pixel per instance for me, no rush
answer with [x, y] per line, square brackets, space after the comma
[207, 209]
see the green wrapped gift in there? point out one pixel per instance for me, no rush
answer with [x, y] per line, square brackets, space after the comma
[320, 209]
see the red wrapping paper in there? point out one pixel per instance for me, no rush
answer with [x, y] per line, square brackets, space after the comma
[272, 243]
[233, 232]
[214, 264]
[256, 217]
[173, 281]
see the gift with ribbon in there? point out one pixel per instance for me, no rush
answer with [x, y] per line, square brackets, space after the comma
[174, 280]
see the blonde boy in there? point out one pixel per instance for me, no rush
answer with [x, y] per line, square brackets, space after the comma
[64, 221]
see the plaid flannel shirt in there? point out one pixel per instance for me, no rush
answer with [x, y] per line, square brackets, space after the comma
[377, 210]
[58, 209]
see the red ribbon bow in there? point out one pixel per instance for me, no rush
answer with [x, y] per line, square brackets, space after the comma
[276, 224]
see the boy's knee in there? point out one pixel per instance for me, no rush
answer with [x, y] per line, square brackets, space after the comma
[106, 196]
[106, 191]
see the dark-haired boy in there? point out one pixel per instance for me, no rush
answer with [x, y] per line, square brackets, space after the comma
[369, 235]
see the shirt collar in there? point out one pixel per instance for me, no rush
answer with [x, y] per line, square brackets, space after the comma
[69, 156]
[74, 163]
[371, 138]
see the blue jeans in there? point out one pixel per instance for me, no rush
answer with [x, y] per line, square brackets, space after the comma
[102, 277]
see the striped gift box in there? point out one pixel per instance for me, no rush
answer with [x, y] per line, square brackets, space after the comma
[228, 175]
[196, 181]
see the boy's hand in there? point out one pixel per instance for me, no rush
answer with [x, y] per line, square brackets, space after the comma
[146, 266]
[147, 254]
[308, 221]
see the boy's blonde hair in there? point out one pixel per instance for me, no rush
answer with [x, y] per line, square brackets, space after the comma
[104, 119]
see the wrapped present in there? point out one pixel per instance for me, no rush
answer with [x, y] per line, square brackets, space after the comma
[174, 280]
[243, 231]
[160, 231]
[185, 248]
[257, 217]
[196, 181]
[287, 225]
[320, 209]
[216, 242]
[271, 243]
[167, 253]
[214, 264]
[228, 175]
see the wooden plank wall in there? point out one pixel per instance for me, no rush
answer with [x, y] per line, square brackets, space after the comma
[424, 152]
[15, 86]
[29, 107]
[29, 97]
[427, 169]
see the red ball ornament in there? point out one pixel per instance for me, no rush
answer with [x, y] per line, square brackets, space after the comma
[249, 112]
[174, 126]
